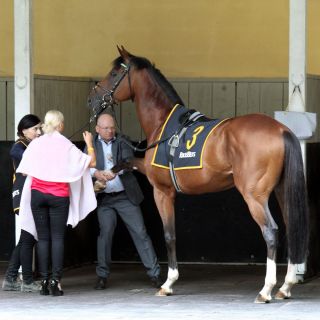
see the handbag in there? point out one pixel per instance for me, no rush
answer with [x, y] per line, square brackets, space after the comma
[302, 124]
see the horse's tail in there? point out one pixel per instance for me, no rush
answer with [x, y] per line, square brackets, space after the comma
[296, 210]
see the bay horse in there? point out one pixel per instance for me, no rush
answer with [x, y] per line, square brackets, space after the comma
[254, 153]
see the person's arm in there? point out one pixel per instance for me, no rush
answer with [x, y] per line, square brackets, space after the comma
[16, 154]
[126, 155]
[87, 137]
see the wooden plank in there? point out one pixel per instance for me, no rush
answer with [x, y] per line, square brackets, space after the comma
[285, 95]
[69, 97]
[271, 97]
[42, 97]
[79, 112]
[182, 88]
[223, 100]
[3, 110]
[200, 97]
[11, 130]
[313, 103]
[248, 98]
[129, 121]
[63, 103]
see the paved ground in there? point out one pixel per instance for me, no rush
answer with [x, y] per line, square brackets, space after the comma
[203, 292]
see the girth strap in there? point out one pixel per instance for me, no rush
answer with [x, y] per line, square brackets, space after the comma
[174, 142]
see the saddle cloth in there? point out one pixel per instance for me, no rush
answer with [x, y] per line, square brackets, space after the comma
[188, 155]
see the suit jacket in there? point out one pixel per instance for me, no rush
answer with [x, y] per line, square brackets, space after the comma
[120, 151]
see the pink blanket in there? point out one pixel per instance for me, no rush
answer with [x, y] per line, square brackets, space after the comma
[52, 157]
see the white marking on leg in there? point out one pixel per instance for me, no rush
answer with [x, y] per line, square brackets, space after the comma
[290, 280]
[173, 275]
[270, 280]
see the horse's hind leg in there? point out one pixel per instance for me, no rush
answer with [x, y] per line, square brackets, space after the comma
[165, 204]
[260, 212]
[291, 278]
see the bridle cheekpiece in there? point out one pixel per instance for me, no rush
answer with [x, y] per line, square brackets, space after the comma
[107, 99]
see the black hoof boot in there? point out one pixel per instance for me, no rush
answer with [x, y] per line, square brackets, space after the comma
[44, 291]
[55, 288]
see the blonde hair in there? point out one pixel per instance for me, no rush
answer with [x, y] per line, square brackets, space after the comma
[52, 120]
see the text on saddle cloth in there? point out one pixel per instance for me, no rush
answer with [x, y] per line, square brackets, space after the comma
[189, 145]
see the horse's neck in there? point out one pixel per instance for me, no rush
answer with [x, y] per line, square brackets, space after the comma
[153, 107]
[152, 118]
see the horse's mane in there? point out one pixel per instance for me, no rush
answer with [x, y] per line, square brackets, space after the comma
[143, 63]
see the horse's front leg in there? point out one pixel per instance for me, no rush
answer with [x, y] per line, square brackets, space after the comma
[165, 204]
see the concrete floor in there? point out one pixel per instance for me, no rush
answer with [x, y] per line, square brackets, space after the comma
[202, 292]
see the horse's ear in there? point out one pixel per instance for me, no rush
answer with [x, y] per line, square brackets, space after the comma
[123, 52]
[120, 51]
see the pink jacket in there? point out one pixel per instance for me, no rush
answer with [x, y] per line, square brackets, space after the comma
[54, 158]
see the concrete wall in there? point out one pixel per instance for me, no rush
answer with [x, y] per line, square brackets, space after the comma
[186, 39]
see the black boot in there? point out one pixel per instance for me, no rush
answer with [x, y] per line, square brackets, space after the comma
[44, 291]
[55, 288]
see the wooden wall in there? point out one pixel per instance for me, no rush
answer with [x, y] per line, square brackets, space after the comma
[6, 109]
[217, 98]
[68, 95]
[221, 98]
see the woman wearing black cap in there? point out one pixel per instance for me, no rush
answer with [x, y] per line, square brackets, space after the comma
[29, 128]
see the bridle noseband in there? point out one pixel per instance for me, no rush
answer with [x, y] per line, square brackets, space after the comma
[107, 98]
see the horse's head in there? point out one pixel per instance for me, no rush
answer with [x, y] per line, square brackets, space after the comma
[116, 86]
[134, 78]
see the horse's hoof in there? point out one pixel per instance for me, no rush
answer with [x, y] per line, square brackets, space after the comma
[261, 299]
[280, 295]
[163, 292]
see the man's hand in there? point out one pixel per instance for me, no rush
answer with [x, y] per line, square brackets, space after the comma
[104, 175]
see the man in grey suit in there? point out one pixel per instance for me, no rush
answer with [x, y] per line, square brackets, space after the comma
[122, 195]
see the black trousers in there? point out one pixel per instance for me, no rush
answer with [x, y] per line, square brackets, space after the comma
[22, 256]
[50, 215]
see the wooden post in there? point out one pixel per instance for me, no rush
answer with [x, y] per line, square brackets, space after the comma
[23, 75]
[297, 71]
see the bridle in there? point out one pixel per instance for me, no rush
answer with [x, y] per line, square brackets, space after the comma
[107, 99]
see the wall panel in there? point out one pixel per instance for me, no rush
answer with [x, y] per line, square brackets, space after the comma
[223, 100]
[11, 131]
[217, 98]
[200, 97]
[66, 95]
[182, 88]
[271, 97]
[248, 98]
[3, 110]
[129, 121]
[313, 101]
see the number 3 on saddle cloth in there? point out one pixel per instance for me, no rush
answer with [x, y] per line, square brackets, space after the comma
[190, 135]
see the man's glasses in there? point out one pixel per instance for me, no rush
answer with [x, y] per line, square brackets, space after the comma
[107, 128]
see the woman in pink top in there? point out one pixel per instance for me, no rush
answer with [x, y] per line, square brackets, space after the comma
[58, 191]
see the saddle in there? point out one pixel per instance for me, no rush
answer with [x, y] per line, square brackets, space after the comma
[188, 131]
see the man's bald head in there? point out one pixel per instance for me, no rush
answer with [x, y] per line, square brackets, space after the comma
[106, 126]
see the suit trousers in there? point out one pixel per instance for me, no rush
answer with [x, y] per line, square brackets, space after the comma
[108, 208]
